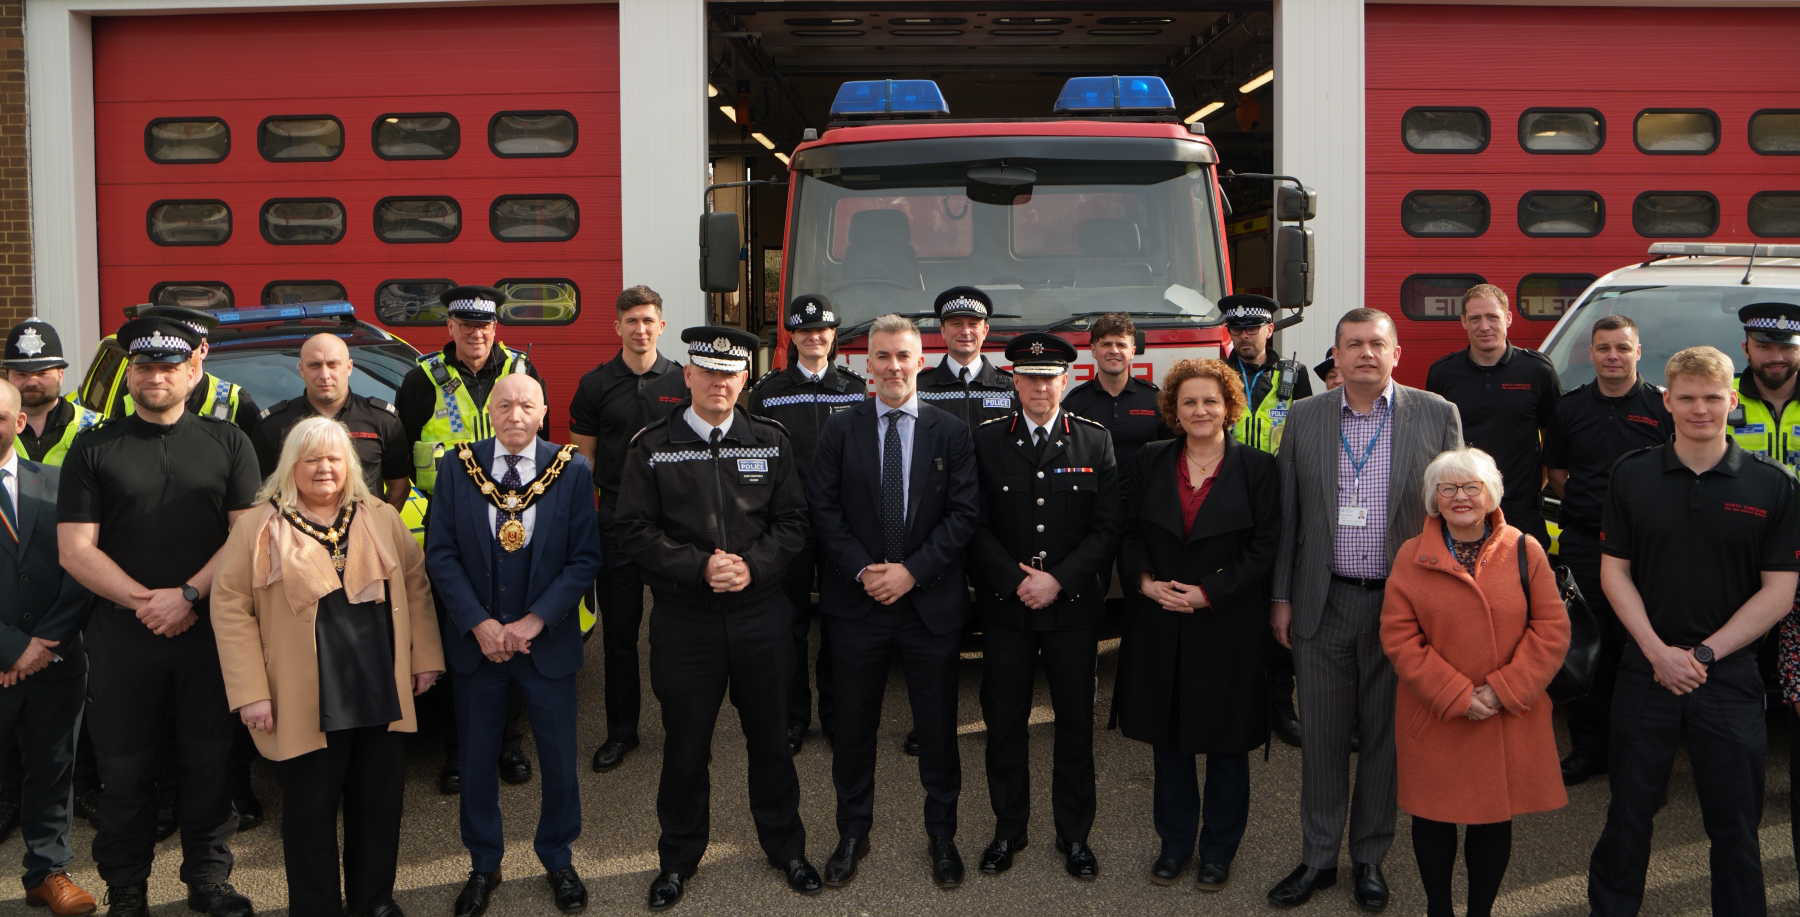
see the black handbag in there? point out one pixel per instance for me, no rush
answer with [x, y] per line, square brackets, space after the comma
[1576, 676]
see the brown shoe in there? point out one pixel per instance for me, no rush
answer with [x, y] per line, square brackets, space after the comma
[61, 895]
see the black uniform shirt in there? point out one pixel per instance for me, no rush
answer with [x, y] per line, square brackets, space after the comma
[1133, 418]
[162, 495]
[612, 404]
[988, 393]
[381, 445]
[1258, 379]
[1588, 434]
[1503, 407]
[35, 445]
[1698, 543]
[417, 398]
[800, 404]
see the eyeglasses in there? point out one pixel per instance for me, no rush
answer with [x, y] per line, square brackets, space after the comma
[1472, 489]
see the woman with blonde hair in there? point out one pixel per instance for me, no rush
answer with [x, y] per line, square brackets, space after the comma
[326, 630]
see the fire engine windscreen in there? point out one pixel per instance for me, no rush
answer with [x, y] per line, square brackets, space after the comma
[1084, 236]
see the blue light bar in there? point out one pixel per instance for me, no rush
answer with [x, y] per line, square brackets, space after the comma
[891, 97]
[291, 312]
[1114, 93]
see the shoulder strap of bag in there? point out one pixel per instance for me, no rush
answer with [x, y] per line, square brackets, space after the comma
[1525, 568]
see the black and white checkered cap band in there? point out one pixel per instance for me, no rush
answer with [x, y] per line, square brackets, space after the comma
[1248, 314]
[797, 319]
[476, 305]
[1774, 323]
[963, 305]
[719, 354]
[160, 343]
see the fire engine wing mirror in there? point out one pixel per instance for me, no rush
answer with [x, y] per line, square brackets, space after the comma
[1294, 266]
[719, 252]
[1295, 204]
[1000, 185]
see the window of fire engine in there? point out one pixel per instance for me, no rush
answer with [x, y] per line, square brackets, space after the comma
[538, 301]
[417, 219]
[1561, 130]
[1436, 297]
[281, 292]
[411, 302]
[527, 218]
[303, 221]
[1775, 213]
[187, 140]
[1545, 297]
[532, 133]
[189, 222]
[425, 136]
[1776, 132]
[1444, 130]
[1663, 214]
[1445, 213]
[1677, 131]
[300, 138]
[1561, 213]
[194, 294]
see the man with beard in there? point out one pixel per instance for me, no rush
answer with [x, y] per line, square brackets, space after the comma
[34, 364]
[1767, 419]
[212, 396]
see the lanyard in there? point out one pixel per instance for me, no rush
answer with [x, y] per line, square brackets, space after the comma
[1356, 464]
[1250, 382]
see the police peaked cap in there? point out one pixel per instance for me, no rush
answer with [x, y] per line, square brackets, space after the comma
[199, 321]
[721, 349]
[1246, 310]
[472, 303]
[1772, 322]
[958, 302]
[155, 339]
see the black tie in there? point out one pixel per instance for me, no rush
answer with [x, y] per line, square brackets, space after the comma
[511, 481]
[1042, 437]
[8, 513]
[963, 375]
[714, 437]
[893, 492]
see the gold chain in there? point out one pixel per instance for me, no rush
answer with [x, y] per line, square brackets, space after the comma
[336, 539]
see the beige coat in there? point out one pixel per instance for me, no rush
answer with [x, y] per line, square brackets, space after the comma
[265, 598]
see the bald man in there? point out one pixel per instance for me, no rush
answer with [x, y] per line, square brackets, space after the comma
[376, 431]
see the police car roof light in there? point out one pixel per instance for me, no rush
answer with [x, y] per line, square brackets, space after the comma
[889, 97]
[1742, 249]
[289, 312]
[1114, 93]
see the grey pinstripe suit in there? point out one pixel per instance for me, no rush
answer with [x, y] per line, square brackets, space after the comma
[1344, 679]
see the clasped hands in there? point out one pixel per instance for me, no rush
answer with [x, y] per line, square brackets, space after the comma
[500, 641]
[1483, 704]
[1173, 595]
[36, 658]
[164, 611]
[727, 572]
[887, 582]
[1038, 590]
[1676, 669]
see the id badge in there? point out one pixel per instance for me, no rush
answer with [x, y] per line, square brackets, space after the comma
[1353, 516]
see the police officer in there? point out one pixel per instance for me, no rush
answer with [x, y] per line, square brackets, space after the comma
[1506, 396]
[1120, 401]
[1328, 371]
[444, 401]
[375, 431]
[213, 396]
[800, 397]
[34, 364]
[1767, 419]
[1043, 556]
[1593, 426]
[713, 511]
[146, 502]
[966, 383]
[612, 403]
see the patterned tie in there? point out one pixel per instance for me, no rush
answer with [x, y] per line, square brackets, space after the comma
[510, 480]
[8, 515]
[893, 492]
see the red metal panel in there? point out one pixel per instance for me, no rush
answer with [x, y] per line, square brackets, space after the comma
[358, 66]
[1505, 60]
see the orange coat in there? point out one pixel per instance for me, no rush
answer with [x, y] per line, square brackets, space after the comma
[1448, 632]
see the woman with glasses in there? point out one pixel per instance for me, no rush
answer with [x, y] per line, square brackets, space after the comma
[1475, 645]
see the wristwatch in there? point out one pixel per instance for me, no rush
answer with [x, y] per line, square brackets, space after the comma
[1703, 654]
[190, 593]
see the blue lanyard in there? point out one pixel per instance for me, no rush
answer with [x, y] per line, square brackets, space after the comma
[1356, 464]
[1250, 381]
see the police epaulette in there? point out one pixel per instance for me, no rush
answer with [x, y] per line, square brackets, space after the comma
[263, 414]
[851, 373]
[759, 418]
[1091, 423]
[384, 405]
[645, 429]
[996, 420]
[765, 377]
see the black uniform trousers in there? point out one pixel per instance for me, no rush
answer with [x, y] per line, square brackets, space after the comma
[364, 772]
[139, 685]
[44, 713]
[799, 587]
[861, 651]
[1009, 663]
[621, 620]
[1181, 819]
[1590, 713]
[1721, 726]
[700, 654]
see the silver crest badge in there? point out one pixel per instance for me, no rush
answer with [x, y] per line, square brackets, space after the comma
[30, 342]
[721, 345]
[1037, 348]
[811, 309]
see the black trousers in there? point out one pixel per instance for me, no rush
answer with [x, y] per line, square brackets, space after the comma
[861, 650]
[484, 700]
[1591, 714]
[1721, 727]
[799, 587]
[699, 655]
[139, 685]
[364, 772]
[1181, 819]
[1010, 659]
[44, 713]
[621, 590]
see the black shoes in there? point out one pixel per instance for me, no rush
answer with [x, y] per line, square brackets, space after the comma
[384, 909]
[946, 863]
[1211, 877]
[1167, 869]
[1079, 859]
[1580, 765]
[568, 889]
[128, 900]
[249, 812]
[218, 899]
[449, 779]
[801, 877]
[911, 745]
[473, 900]
[666, 889]
[1298, 887]
[515, 768]
[841, 867]
[998, 856]
[611, 754]
[1370, 888]
[796, 737]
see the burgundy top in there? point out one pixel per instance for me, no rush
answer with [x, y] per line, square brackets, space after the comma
[1191, 499]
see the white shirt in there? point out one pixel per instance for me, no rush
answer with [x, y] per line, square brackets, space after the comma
[1032, 429]
[527, 471]
[11, 484]
[909, 418]
[956, 368]
[809, 374]
[703, 429]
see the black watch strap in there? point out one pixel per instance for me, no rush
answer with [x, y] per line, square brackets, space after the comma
[1703, 654]
[190, 593]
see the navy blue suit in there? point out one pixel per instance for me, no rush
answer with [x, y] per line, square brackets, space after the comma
[924, 626]
[475, 580]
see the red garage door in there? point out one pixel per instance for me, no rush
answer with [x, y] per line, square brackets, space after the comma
[1538, 147]
[376, 155]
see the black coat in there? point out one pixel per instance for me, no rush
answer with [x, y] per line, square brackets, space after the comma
[1197, 682]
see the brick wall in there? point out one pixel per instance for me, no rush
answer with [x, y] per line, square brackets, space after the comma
[15, 182]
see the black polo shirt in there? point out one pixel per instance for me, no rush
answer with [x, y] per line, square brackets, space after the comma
[382, 448]
[1589, 432]
[1698, 543]
[416, 398]
[162, 495]
[1132, 417]
[1503, 408]
[612, 404]
[54, 424]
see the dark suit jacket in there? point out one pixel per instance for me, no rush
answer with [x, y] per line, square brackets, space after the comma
[460, 546]
[943, 503]
[43, 600]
